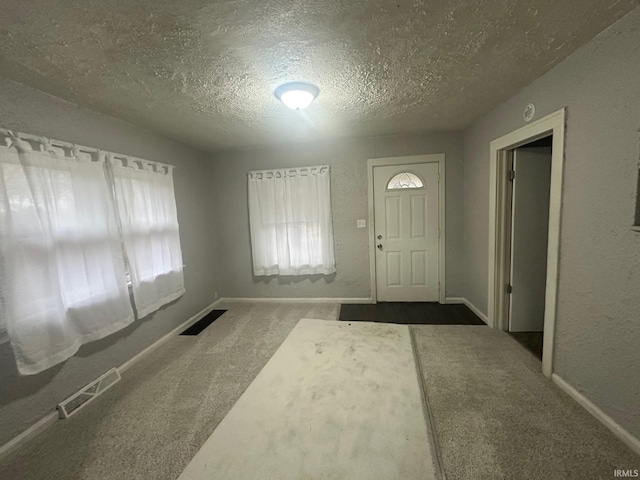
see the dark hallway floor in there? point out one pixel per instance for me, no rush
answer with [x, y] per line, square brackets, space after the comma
[532, 341]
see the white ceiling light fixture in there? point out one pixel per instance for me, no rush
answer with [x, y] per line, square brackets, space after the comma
[297, 95]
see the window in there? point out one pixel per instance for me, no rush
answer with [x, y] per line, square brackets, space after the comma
[405, 180]
[63, 275]
[291, 222]
[149, 222]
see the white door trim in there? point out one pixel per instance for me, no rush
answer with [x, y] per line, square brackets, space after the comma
[382, 162]
[499, 237]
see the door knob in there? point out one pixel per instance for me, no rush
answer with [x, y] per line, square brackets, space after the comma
[379, 246]
[379, 237]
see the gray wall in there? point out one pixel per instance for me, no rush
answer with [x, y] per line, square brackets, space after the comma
[24, 400]
[597, 333]
[348, 160]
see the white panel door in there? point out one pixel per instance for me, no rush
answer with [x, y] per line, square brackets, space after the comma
[529, 238]
[406, 230]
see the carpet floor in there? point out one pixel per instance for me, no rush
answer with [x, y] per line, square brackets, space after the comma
[497, 417]
[338, 400]
[154, 421]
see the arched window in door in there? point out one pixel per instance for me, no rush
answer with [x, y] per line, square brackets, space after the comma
[405, 180]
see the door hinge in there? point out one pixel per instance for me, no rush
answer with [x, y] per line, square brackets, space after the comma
[512, 175]
[509, 289]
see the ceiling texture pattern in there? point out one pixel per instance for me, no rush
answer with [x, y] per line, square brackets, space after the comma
[204, 72]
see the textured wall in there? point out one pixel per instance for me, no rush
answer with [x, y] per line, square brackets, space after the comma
[348, 160]
[598, 334]
[24, 400]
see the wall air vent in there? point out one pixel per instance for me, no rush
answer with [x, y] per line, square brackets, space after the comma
[78, 400]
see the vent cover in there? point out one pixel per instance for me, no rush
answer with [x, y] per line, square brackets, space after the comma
[203, 323]
[78, 400]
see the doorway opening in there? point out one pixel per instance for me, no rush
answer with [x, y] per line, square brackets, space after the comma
[529, 188]
[535, 261]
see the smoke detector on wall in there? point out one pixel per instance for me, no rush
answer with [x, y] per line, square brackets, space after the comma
[529, 112]
[297, 95]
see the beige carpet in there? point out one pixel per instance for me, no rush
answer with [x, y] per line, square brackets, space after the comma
[497, 417]
[152, 423]
[338, 400]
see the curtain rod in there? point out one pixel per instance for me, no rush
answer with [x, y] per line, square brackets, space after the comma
[42, 140]
[290, 171]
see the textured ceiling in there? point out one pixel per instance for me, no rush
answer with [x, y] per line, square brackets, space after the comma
[203, 72]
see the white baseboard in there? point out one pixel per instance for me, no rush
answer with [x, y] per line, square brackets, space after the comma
[42, 424]
[136, 358]
[472, 307]
[296, 300]
[454, 300]
[31, 432]
[605, 419]
[477, 311]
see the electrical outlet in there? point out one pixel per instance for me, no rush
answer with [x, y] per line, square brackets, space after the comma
[361, 223]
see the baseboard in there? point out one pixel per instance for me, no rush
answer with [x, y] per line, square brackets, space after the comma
[454, 300]
[477, 311]
[136, 358]
[42, 424]
[631, 441]
[297, 300]
[472, 307]
[33, 431]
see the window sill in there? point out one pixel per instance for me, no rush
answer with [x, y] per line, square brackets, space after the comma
[635, 228]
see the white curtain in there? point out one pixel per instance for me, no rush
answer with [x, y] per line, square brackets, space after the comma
[291, 223]
[147, 207]
[62, 273]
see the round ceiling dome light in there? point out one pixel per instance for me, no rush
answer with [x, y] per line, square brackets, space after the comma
[297, 95]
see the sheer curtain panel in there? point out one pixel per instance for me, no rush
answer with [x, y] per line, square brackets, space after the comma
[62, 273]
[149, 220]
[291, 222]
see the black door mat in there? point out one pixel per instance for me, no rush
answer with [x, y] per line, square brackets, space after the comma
[410, 313]
[203, 323]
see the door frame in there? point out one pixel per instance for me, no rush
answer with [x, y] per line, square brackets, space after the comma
[389, 161]
[500, 237]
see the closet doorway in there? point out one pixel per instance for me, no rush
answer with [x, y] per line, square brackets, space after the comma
[508, 310]
[530, 182]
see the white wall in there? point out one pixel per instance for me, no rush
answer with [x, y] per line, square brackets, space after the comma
[26, 399]
[348, 160]
[598, 323]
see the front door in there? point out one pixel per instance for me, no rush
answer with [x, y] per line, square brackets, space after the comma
[406, 229]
